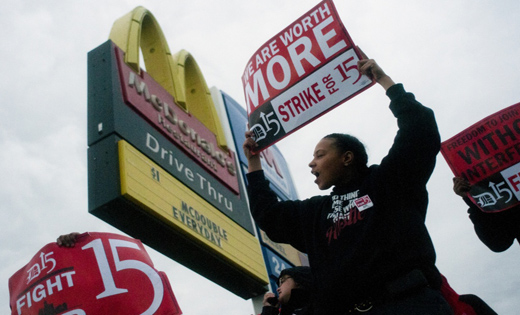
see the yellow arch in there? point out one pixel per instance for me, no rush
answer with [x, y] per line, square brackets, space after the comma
[179, 75]
[188, 75]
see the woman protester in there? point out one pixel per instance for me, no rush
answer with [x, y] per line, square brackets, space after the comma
[367, 243]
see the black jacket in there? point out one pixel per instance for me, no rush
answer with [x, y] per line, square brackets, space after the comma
[299, 304]
[365, 235]
[497, 230]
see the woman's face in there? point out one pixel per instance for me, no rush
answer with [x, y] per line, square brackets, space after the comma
[284, 289]
[328, 164]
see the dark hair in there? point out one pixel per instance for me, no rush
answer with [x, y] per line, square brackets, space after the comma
[344, 143]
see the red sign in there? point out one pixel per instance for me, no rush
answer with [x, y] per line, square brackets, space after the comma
[307, 69]
[103, 274]
[487, 154]
[153, 102]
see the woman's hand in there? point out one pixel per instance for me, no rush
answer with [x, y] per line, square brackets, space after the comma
[269, 297]
[253, 159]
[67, 240]
[371, 69]
[461, 186]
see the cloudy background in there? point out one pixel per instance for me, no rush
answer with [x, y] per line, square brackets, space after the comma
[459, 57]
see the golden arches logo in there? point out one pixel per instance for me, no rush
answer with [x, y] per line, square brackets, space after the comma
[178, 74]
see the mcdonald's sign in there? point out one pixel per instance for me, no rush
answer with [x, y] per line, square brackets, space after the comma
[159, 165]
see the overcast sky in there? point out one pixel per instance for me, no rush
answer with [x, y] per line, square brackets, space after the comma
[459, 57]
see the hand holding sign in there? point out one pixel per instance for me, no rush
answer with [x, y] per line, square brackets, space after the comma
[67, 240]
[371, 69]
[253, 159]
[461, 186]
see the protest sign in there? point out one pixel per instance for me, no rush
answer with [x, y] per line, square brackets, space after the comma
[103, 273]
[304, 71]
[487, 154]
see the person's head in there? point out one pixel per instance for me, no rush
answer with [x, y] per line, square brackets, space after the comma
[292, 278]
[336, 159]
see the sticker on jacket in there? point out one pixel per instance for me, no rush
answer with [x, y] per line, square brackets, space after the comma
[363, 203]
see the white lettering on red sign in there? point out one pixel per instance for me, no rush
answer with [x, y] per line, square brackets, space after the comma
[296, 52]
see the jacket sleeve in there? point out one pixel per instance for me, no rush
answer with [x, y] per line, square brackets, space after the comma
[491, 228]
[281, 220]
[411, 159]
[269, 310]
